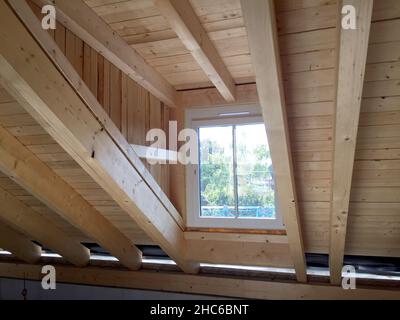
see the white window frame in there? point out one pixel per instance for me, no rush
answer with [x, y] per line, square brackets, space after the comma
[221, 116]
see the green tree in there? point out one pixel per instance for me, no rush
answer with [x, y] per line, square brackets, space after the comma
[216, 181]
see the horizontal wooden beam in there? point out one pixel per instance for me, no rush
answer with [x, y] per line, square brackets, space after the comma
[353, 49]
[87, 25]
[240, 253]
[32, 224]
[186, 24]
[260, 20]
[227, 286]
[44, 93]
[235, 237]
[19, 245]
[155, 154]
[37, 178]
[64, 66]
[210, 97]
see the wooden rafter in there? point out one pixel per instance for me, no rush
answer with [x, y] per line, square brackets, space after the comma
[245, 94]
[262, 32]
[187, 26]
[37, 178]
[19, 245]
[31, 223]
[155, 154]
[352, 58]
[68, 119]
[64, 66]
[87, 25]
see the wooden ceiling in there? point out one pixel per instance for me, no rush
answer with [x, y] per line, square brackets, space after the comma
[143, 27]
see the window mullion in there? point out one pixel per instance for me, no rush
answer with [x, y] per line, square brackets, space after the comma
[235, 178]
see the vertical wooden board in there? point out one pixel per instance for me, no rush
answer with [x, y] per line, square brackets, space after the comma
[165, 121]
[100, 82]
[131, 112]
[124, 105]
[155, 122]
[147, 119]
[139, 118]
[106, 90]
[78, 61]
[93, 72]
[115, 95]
[86, 64]
[60, 36]
[165, 168]
[70, 46]
[177, 171]
[155, 113]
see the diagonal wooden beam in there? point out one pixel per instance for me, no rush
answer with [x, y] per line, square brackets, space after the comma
[87, 25]
[262, 32]
[352, 58]
[27, 170]
[187, 26]
[32, 224]
[19, 245]
[48, 44]
[65, 116]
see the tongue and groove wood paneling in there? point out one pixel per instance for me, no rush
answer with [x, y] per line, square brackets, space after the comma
[307, 36]
[374, 219]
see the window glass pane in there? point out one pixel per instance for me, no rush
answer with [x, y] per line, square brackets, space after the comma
[216, 172]
[256, 195]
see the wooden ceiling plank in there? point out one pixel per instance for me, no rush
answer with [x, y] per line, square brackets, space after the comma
[88, 26]
[19, 245]
[65, 116]
[352, 58]
[190, 31]
[31, 223]
[259, 16]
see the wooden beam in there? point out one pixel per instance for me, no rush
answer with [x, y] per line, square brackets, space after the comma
[88, 26]
[48, 44]
[187, 26]
[227, 286]
[352, 58]
[245, 94]
[61, 111]
[157, 154]
[27, 170]
[32, 224]
[19, 245]
[235, 237]
[240, 253]
[260, 20]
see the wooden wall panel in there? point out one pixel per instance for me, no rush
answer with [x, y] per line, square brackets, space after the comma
[373, 226]
[132, 109]
[308, 58]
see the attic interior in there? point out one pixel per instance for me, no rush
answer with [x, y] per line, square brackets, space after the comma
[226, 148]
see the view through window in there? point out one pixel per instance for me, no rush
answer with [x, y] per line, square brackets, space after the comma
[236, 176]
